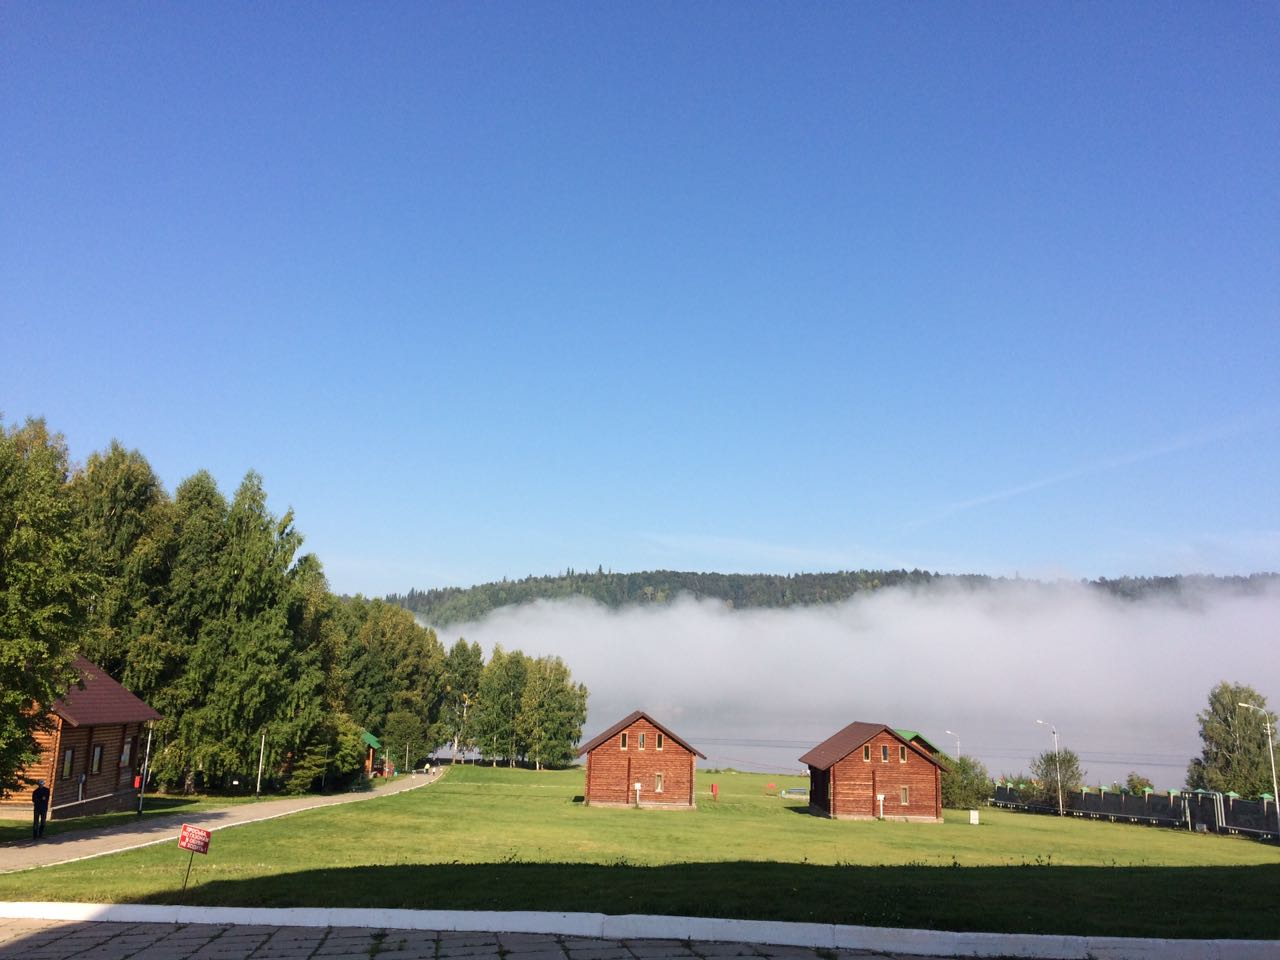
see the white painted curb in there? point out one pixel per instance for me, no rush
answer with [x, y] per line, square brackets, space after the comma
[637, 927]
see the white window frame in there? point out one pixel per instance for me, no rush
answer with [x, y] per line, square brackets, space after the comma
[660, 741]
[657, 783]
[884, 753]
[623, 742]
[905, 796]
[642, 740]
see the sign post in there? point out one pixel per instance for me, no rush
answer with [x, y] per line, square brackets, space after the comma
[196, 840]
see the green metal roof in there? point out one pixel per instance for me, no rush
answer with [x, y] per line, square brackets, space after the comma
[916, 735]
[370, 739]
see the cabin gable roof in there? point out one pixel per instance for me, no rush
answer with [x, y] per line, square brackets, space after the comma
[842, 743]
[627, 721]
[98, 700]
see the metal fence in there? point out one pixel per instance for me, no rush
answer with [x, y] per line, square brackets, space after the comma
[1205, 811]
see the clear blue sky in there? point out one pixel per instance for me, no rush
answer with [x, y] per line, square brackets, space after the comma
[486, 290]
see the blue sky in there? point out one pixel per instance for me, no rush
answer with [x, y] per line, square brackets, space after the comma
[486, 290]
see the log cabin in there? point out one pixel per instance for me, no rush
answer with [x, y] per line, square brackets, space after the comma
[640, 750]
[90, 751]
[869, 771]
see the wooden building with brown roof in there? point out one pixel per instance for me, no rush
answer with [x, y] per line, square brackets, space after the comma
[869, 771]
[639, 750]
[89, 755]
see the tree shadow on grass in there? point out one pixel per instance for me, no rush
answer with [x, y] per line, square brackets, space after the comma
[1199, 902]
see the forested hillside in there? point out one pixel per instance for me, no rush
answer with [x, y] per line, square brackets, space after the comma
[447, 605]
[207, 608]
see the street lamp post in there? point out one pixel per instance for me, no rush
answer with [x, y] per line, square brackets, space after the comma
[1271, 755]
[1057, 760]
[957, 736]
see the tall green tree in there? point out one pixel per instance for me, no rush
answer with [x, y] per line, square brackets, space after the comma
[126, 529]
[966, 784]
[1056, 773]
[552, 711]
[1234, 752]
[179, 668]
[501, 692]
[462, 668]
[391, 664]
[43, 588]
[242, 662]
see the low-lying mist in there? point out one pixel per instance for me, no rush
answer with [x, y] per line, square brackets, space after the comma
[1122, 679]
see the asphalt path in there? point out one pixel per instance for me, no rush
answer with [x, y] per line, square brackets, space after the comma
[80, 845]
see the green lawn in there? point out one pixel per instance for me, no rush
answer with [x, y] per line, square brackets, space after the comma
[504, 839]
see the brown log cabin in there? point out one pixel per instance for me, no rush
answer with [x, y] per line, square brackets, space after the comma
[868, 771]
[90, 754]
[638, 749]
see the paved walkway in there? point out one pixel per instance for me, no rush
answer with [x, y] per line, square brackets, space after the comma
[63, 847]
[63, 940]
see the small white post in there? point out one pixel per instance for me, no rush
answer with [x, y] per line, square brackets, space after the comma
[262, 752]
[146, 763]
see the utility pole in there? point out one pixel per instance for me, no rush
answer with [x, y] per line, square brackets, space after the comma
[1057, 760]
[957, 736]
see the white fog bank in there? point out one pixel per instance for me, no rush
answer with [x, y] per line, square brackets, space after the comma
[1122, 680]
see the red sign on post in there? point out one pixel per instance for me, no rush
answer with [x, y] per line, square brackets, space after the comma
[194, 839]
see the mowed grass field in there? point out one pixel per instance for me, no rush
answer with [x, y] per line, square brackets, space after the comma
[516, 840]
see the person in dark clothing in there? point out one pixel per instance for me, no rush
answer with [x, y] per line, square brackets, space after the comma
[40, 810]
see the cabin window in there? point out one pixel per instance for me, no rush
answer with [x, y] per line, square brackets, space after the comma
[884, 753]
[126, 752]
[624, 741]
[95, 763]
[866, 752]
[642, 741]
[657, 783]
[902, 754]
[659, 741]
[906, 796]
[68, 757]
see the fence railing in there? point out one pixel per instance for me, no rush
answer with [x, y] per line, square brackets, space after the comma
[1206, 811]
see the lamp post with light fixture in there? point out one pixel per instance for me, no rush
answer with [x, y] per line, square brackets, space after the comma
[957, 736]
[1057, 760]
[1271, 755]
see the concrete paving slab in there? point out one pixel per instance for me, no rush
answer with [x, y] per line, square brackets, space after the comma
[455, 952]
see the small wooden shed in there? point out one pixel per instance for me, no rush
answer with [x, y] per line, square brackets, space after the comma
[91, 754]
[869, 771]
[639, 749]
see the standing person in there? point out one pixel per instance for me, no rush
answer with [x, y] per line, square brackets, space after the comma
[40, 810]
